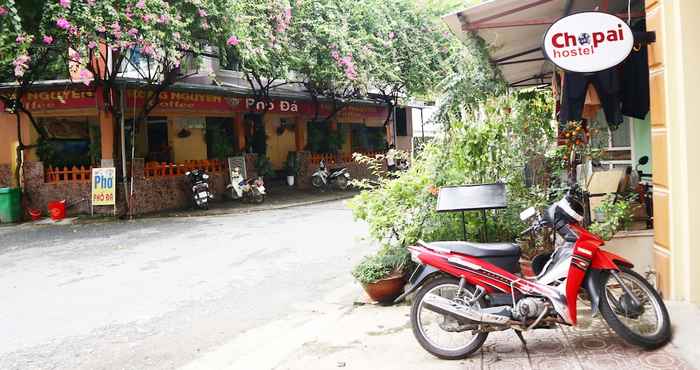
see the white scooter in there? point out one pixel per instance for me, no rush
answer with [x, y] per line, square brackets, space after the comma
[250, 190]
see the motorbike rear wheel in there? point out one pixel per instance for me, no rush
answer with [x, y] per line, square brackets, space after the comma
[429, 326]
[316, 181]
[646, 324]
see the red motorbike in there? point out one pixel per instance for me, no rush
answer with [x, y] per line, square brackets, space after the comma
[466, 290]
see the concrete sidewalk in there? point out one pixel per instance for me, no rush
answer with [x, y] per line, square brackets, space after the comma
[375, 337]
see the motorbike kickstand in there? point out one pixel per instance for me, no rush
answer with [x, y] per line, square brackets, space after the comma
[522, 339]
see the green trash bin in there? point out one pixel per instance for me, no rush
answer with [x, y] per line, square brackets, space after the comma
[10, 208]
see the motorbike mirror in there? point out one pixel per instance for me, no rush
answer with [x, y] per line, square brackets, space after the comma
[643, 160]
[526, 214]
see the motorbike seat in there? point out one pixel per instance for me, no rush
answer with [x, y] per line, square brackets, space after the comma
[479, 249]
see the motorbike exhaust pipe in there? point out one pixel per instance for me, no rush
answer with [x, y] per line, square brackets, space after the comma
[446, 306]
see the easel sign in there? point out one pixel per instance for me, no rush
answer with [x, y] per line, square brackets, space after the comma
[239, 162]
[103, 188]
[478, 197]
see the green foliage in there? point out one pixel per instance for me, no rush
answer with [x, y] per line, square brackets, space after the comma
[263, 166]
[486, 145]
[616, 214]
[292, 165]
[219, 142]
[323, 139]
[388, 261]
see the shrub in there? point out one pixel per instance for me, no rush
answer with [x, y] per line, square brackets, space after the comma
[616, 214]
[390, 260]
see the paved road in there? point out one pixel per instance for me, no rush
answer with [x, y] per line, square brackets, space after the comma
[160, 293]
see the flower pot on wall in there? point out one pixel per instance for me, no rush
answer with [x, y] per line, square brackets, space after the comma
[290, 180]
[386, 290]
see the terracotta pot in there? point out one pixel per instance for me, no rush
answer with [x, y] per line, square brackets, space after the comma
[386, 290]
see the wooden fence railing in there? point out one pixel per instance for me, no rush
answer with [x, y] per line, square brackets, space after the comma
[65, 174]
[342, 157]
[158, 169]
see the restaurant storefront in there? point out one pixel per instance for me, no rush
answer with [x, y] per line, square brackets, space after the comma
[666, 134]
[187, 129]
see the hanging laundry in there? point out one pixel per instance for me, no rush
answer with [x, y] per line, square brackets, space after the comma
[635, 79]
[607, 86]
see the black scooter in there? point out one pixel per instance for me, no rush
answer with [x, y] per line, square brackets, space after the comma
[199, 181]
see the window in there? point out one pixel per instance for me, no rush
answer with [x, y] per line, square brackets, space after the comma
[617, 144]
[401, 123]
[71, 141]
[221, 141]
[367, 139]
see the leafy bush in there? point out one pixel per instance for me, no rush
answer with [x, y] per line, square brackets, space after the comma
[263, 166]
[491, 144]
[616, 214]
[292, 165]
[390, 260]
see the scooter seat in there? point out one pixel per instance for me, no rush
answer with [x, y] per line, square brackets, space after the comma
[479, 249]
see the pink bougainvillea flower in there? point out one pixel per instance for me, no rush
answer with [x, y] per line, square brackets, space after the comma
[92, 45]
[85, 76]
[133, 32]
[48, 40]
[141, 4]
[164, 18]
[202, 12]
[232, 41]
[147, 49]
[64, 3]
[63, 23]
[392, 35]
[91, 2]
[20, 39]
[147, 18]
[3, 11]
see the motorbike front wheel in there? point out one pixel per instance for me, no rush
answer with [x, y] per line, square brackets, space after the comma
[633, 309]
[316, 181]
[342, 182]
[441, 335]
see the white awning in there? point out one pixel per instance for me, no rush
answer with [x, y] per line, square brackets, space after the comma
[513, 31]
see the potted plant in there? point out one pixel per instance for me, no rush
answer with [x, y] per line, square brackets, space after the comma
[291, 167]
[383, 275]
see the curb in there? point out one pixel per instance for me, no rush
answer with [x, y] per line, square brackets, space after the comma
[235, 211]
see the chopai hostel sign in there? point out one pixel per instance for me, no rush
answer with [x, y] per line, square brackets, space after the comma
[588, 42]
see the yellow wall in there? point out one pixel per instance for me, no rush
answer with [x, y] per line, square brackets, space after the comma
[674, 83]
[278, 146]
[193, 147]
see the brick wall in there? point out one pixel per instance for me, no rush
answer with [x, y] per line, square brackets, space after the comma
[5, 175]
[151, 194]
[307, 168]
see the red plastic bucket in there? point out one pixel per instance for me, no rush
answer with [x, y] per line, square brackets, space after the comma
[35, 214]
[57, 210]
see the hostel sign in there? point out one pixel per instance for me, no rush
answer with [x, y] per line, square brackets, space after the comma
[588, 42]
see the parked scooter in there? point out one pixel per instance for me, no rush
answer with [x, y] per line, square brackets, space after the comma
[199, 181]
[325, 177]
[467, 290]
[250, 190]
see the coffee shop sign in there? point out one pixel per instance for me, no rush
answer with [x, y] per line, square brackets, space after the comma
[270, 106]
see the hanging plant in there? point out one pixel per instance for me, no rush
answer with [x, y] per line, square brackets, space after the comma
[184, 133]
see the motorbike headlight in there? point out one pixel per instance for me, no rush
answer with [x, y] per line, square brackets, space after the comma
[205, 176]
